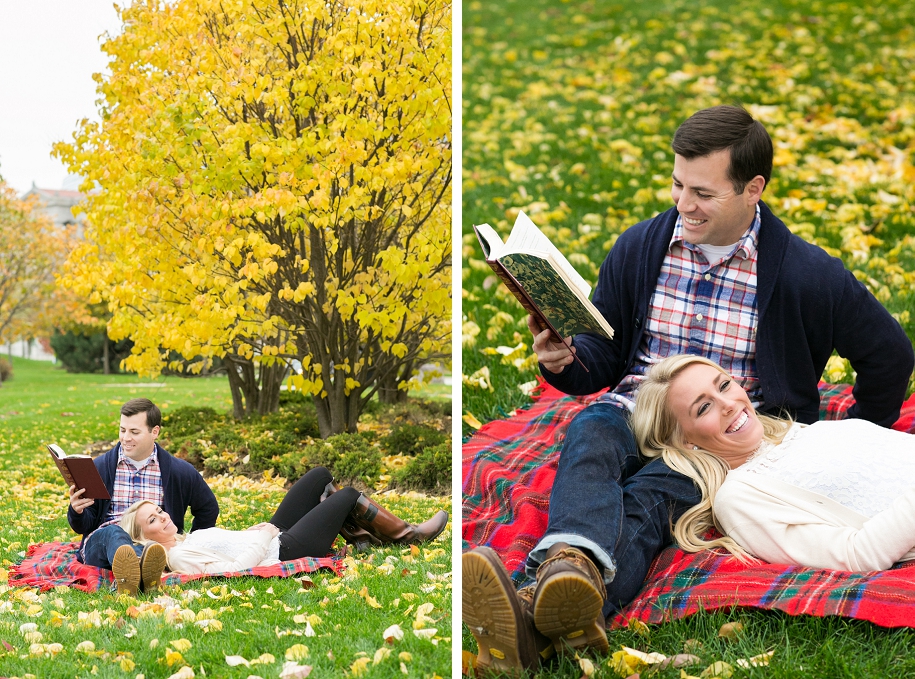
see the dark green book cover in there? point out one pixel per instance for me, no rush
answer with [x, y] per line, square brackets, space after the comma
[552, 295]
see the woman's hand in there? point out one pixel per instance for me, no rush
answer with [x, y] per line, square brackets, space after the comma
[267, 526]
[77, 502]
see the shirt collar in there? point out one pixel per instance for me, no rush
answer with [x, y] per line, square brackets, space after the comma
[745, 248]
[154, 457]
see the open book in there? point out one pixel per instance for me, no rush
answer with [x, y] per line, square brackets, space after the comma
[79, 471]
[543, 280]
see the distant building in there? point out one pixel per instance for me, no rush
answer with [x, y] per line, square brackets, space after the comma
[57, 204]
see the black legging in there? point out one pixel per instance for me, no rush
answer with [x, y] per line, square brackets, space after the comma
[308, 525]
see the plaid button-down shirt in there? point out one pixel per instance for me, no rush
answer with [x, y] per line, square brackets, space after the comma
[702, 308]
[132, 485]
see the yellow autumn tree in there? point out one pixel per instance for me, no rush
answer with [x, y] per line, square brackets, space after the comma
[270, 183]
[32, 249]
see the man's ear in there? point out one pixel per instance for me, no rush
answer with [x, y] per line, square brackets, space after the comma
[754, 189]
[155, 431]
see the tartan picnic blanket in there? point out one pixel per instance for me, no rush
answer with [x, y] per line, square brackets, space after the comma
[53, 564]
[508, 468]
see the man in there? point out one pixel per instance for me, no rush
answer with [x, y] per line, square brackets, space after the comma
[718, 275]
[138, 469]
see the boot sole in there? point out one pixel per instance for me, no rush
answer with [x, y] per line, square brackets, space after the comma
[126, 568]
[567, 609]
[151, 566]
[488, 612]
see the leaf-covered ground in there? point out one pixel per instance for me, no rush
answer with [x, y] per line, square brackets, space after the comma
[337, 627]
[568, 112]
[569, 109]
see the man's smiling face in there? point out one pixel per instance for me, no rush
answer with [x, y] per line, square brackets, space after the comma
[136, 438]
[712, 213]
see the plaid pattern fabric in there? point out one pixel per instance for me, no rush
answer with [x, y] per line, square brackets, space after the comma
[680, 584]
[508, 468]
[53, 564]
[703, 308]
[132, 485]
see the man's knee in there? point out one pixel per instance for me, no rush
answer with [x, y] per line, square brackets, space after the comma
[600, 435]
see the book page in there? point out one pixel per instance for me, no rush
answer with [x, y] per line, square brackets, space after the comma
[489, 240]
[527, 238]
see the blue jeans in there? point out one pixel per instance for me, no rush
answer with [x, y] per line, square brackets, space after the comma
[100, 546]
[606, 501]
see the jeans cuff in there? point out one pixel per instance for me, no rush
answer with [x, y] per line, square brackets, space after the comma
[538, 554]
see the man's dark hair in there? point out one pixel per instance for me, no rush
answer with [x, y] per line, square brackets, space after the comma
[727, 127]
[143, 405]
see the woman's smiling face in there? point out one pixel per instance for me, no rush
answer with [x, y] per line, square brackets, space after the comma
[155, 523]
[714, 413]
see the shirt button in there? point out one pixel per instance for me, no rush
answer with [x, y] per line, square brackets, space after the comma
[698, 317]
[708, 276]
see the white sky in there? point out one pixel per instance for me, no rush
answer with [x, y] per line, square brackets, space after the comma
[49, 50]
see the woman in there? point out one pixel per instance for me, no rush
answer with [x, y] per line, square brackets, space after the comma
[305, 524]
[834, 494]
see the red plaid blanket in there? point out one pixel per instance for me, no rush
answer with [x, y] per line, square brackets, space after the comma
[53, 564]
[507, 472]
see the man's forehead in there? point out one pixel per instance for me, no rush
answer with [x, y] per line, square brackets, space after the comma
[137, 420]
[704, 171]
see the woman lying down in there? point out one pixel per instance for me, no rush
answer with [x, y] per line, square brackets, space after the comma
[313, 512]
[834, 494]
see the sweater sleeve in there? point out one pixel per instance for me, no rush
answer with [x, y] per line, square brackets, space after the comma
[879, 351]
[204, 506]
[189, 559]
[779, 532]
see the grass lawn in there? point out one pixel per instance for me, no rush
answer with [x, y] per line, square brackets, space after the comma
[259, 619]
[568, 112]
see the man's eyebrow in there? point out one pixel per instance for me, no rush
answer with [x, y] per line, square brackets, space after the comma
[698, 189]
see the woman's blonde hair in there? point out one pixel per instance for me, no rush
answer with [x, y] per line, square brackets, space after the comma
[658, 434]
[132, 526]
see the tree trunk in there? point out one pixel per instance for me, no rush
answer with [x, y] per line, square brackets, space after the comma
[106, 359]
[337, 412]
[255, 389]
[387, 386]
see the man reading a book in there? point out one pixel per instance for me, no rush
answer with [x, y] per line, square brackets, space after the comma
[137, 468]
[718, 275]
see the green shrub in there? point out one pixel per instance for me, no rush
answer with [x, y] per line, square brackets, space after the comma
[410, 439]
[186, 421]
[430, 470]
[85, 353]
[6, 370]
[349, 457]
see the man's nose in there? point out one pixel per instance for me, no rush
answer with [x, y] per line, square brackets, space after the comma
[684, 202]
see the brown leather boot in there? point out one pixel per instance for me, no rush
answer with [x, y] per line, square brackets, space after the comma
[389, 528]
[498, 617]
[360, 540]
[569, 599]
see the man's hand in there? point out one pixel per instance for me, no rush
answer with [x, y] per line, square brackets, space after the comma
[553, 355]
[77, 502]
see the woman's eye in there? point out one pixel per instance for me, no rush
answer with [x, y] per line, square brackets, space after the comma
[702, 408]
[725, 385]
[703, 195]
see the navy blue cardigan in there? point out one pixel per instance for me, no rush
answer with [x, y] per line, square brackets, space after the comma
[808, 304]
[182, 487]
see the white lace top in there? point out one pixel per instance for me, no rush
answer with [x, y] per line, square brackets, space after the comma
[216, 550]
[856, 463]
[232, 543]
